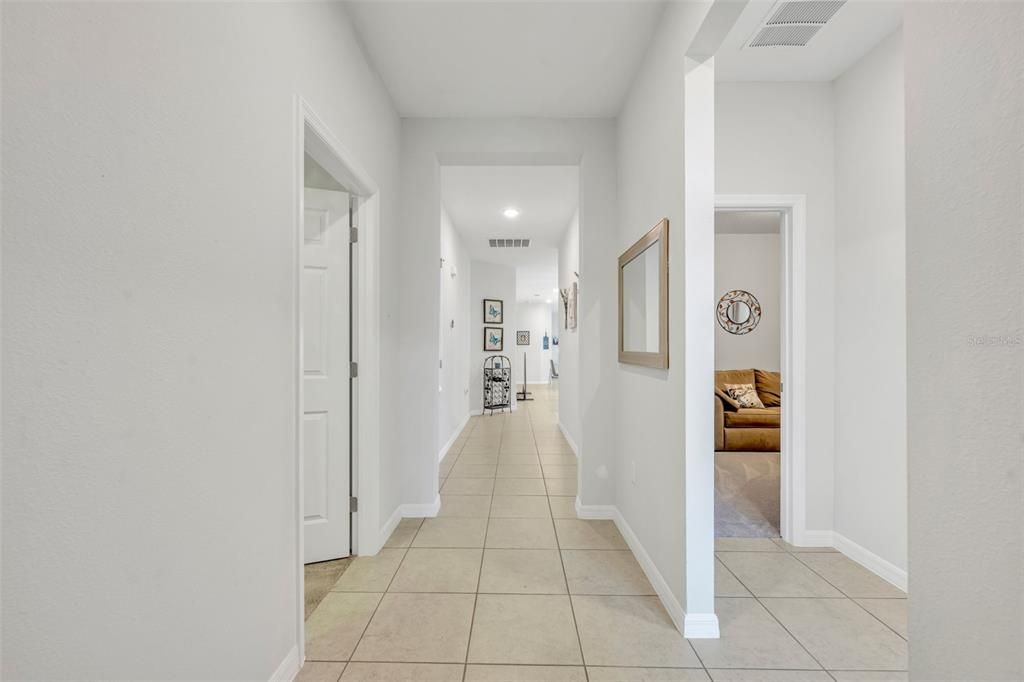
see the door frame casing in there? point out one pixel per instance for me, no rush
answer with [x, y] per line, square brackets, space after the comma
[793, 456]
[332, 155]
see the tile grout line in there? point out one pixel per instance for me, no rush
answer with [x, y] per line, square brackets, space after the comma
[852, 599]
[565, 578]
[774, 617]
[377, 606]
[479, 576]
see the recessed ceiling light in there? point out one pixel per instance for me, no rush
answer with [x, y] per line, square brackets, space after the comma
[511, 212]
[548, 301]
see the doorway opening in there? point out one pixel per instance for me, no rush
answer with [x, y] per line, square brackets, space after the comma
[336, 363]
[760, 367]
[509, 249]
[748, 377]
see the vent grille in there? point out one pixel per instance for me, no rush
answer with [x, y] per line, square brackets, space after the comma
[509, 243]
[784, 36]
[794, 23]
[805, 12]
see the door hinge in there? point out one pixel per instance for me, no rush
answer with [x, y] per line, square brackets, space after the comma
[353, 235]
[353, 369]
[353, 504]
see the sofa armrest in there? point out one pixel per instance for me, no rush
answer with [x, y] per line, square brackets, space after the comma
[719, 424]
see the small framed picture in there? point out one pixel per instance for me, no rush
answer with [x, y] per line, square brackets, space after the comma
[522, 338]
[494, 338]
[493, 308]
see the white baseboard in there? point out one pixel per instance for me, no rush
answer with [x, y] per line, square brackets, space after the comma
[814, 538]
[595, 511]
[668, 599]
[407, 511]
[871, 561]
[694, 625]
[289, 668]
[572, 443]
[701, 626]
[863, 556]
[389, 527]
[455, 436]
[421, 511]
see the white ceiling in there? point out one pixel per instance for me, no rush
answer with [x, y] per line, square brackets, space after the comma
[546, 196]
[747, 222]
[850, 34]
[506, 58]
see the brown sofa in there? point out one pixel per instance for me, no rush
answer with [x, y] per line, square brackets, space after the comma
[748, 429]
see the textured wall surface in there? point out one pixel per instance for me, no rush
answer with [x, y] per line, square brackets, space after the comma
[965, 350]
[871, 310]
[651, 409]
[752, 262]
[149, 327]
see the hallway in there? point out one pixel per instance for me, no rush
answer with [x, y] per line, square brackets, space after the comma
[506, 584]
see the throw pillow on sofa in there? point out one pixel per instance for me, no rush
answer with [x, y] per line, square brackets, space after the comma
[727, 399]
[744, 394]
[769, 387]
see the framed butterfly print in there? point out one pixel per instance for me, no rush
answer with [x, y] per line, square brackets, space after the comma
[494, 339]
[494, 311]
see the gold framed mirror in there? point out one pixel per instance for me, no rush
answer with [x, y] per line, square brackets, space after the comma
[643, 300]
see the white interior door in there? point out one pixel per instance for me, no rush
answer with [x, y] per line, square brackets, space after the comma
[326, 421]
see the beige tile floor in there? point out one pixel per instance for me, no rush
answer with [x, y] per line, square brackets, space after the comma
[507, 585]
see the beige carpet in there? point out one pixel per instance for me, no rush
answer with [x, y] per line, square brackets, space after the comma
[746, 494]
[320, 578]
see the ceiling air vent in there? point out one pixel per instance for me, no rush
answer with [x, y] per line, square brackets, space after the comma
[509, 243]
[793, 24]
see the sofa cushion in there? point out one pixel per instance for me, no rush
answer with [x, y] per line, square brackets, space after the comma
[733, 376]
[769, 387]
[753, 440]
[754, 418]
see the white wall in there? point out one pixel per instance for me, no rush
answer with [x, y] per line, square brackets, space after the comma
[651, 184]
[453, 373]
[149, 327]
[871, 313]
[777, 138]
[751, 262]
[491, 280]
[965, 338]
[535, 318]
[427, 143]
[568, 340]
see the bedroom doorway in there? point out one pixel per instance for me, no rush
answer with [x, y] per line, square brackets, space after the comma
[760, 336]
[336, 361]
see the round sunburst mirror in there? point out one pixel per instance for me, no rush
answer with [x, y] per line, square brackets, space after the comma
[738, 312]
